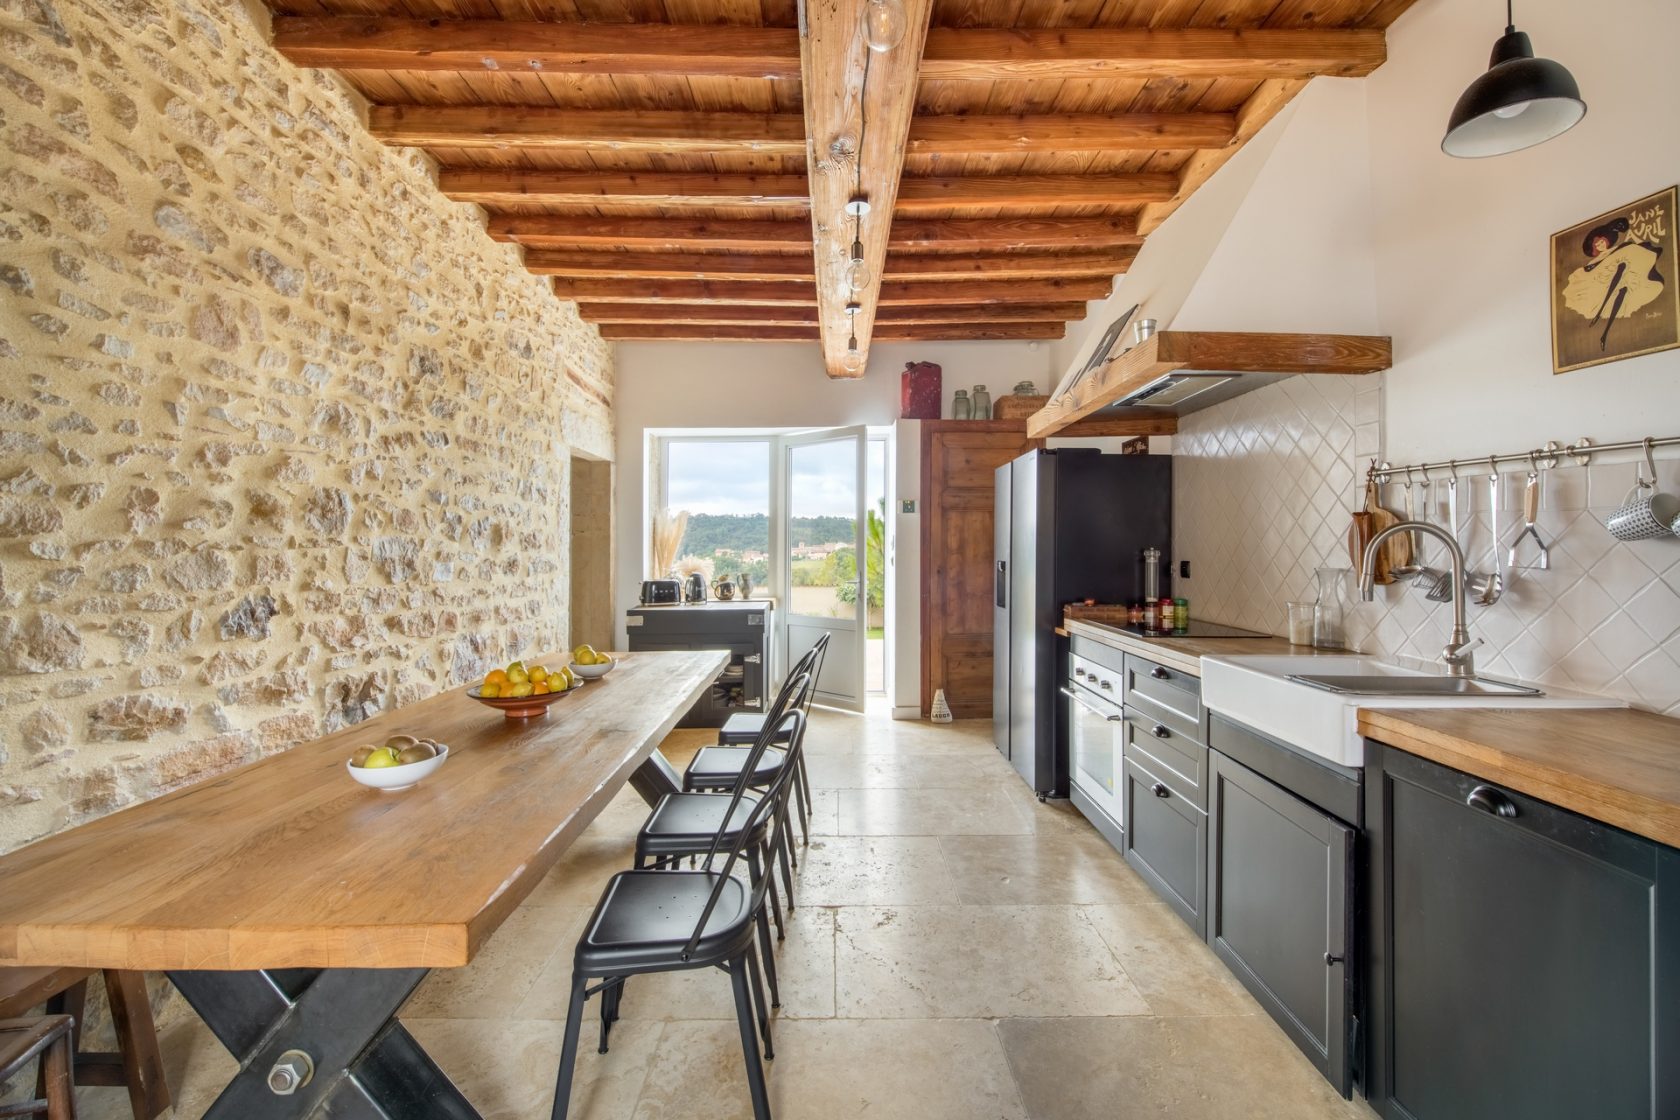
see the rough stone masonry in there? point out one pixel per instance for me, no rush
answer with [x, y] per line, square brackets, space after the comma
[284, 437]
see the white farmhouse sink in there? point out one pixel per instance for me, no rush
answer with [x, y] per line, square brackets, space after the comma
[1257, 691]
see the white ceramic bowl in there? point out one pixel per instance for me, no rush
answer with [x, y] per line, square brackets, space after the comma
[593, 672]
[393, 778]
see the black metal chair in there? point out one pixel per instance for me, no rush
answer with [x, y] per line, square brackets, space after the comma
[674, 920]
[683, 825]
[743, 727]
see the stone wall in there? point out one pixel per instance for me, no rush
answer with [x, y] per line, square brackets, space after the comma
[284, 437]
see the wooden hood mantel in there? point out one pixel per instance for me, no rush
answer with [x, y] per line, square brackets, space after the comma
[1237, 352]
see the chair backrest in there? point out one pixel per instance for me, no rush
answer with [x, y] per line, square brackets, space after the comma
[819, 652]
[768, 803]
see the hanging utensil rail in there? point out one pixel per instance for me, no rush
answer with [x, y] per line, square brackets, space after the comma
[1582, 451]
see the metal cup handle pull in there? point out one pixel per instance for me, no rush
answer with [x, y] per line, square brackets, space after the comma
[1491, 801]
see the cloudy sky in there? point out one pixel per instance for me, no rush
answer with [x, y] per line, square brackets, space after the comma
[711, 476]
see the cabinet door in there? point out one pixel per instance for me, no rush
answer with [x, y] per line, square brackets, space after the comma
[1519, 956]
[1280, 909]
[1166, 840]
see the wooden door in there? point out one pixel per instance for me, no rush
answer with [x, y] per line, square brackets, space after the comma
[958, 461]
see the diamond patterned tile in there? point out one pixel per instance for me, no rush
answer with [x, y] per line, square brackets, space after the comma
[1264, 486]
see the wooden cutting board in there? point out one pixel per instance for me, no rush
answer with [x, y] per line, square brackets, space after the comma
[1367, 523]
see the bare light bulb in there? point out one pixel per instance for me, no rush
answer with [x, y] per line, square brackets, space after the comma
[883, 24]
[853, 362]
[857, 271]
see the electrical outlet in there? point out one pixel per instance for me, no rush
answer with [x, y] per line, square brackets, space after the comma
[908, 505]
[1184, 569]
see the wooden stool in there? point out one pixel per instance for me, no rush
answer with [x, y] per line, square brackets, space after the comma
[46, 1037]
[137, 1065]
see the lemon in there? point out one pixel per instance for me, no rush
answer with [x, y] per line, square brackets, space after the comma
[519, 676]
[522, 689]
[489, 691]
[537, 673]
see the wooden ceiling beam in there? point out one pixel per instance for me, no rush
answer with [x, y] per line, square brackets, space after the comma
[560, 230]
[673, 266]
[680, 332]
[913, 293]
[982, 313]
[624, 130]
[496, 186]
[919, 195]
[846, 87]
[1069, 132]
[768, 293]
[968, 332]
[1262, 105]
[648, 312]
[981, 234]
[498, 46]
[1007, 266]
[983, 54]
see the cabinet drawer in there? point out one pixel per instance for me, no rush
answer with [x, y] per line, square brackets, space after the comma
[1178, 760]
[1166, 841]
[1164, 695]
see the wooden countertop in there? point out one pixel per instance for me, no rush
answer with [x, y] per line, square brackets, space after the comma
[1183, 654]
[1614, 765]
[288, 863]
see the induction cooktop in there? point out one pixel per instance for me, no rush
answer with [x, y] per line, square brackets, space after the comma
[1196, 629]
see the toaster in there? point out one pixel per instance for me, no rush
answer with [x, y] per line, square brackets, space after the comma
[658, 592]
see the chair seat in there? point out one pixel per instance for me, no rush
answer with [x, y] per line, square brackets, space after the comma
[742, 728]
[685, 823]
[645, 918]
[719, 767]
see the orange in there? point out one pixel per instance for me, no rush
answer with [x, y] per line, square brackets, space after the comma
[495, 676]
[539, 688]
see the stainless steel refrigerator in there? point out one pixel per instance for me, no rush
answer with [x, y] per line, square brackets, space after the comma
[1071, 524]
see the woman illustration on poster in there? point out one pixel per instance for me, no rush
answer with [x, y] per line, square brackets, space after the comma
[1619, 278]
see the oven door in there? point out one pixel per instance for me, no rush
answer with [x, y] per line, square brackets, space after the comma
[1097, 732]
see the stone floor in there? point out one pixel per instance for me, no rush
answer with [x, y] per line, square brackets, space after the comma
[959, 951]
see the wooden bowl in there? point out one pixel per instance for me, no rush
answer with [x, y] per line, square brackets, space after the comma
[521, 707]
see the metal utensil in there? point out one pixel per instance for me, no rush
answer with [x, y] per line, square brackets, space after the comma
[1531, 512]
[1486, 590]
[1646, 512]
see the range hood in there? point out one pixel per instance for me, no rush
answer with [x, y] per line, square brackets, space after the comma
[1178, 372]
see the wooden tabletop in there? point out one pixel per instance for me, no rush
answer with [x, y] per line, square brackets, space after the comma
[1614, 765]
[1184, 654]
[289, 863]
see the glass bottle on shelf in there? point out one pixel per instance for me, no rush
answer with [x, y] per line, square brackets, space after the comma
[1330, 612]
[982, 403]
[961, 408]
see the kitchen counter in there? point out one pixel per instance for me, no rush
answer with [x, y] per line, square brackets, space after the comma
[1618, 766]
[1183, 654]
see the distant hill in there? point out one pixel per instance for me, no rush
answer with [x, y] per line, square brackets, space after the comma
[709, 533]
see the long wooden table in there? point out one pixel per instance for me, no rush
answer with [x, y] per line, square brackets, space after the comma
[296, 910]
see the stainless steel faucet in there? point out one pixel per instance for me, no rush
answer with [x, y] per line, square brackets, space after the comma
[1458, 656]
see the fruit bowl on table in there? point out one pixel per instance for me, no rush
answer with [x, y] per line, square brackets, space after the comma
[404, 775]
[595, 671]
[521, 707]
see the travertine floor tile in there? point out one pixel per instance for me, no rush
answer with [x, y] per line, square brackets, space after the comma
[504, 970]
[1047, 867]
[1176, 972]
[929, 812]
[934, 962]
[874, 871]
[1224, 1068]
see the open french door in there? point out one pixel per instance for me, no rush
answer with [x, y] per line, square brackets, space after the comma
[822, 476]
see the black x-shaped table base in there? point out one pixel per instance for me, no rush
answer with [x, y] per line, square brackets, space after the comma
[366, 1065]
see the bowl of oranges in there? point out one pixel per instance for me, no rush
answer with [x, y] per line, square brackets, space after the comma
[521, 691]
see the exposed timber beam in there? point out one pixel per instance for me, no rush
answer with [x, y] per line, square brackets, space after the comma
[834, 61]
[695, 314]
[1069, 132]
[1262, 105]
[792, 293]
[675, 266]
[955, 54]
[624, 130]
[497, 46]
[899, 293]
[498, 186]
[919, 195]
[778, 332]
[981, 234]
[560, 230]
[1008, 266]
[968, 332]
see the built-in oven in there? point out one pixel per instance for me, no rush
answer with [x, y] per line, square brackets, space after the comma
[1096, 737]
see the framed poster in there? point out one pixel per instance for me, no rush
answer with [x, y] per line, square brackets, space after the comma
[1614, 286]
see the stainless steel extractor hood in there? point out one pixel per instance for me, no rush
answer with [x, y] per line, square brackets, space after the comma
[1173, 389]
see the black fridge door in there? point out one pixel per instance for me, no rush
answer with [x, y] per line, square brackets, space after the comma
[1001, 601]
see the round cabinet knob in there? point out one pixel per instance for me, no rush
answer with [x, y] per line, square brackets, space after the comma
[291, 1073]
[1159, 673]
[1159, 789]
[1160, 731]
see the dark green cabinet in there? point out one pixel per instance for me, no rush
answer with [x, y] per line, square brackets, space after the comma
[1524, 960]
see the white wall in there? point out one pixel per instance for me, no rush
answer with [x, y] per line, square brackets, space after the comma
[1461, 245]
[663, 385]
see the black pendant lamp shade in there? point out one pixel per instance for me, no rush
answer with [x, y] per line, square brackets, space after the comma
[1521, 101]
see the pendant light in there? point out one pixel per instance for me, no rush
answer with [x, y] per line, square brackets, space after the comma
[858, 275]
[1521, 101]
[883, 24]
[853, 361]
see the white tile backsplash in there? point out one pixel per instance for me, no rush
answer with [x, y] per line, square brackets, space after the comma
[1263, 488]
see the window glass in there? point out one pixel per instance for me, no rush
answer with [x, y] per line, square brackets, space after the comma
[725, 487]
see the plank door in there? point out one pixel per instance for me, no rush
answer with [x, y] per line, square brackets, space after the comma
[958, 461]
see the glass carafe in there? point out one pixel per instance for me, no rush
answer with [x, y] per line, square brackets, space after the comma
[1330, 612]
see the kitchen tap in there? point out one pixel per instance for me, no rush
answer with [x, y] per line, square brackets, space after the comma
[1458, 656]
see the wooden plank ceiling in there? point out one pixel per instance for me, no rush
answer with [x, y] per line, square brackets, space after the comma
[653, 156]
